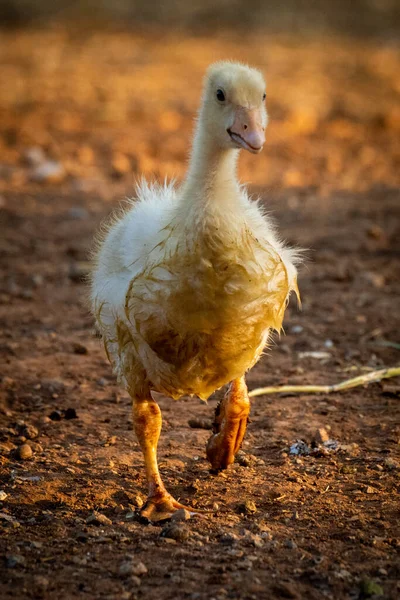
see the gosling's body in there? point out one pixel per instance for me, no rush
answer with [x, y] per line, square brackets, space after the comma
[186, 307]
[190, 280]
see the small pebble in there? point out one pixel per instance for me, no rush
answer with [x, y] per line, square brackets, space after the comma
[175, 531]
[34, 156]
[37, 448]
[80, 348]
[247, 508]
[70, 413]
[48, 172]
[14, 560]
[41, 581]
[98, 519]
[243, 459]
[391, 464]
[3, 495]
[30, 432]
[131, 567]
[228, 539]
[55, 415]
[24, 452]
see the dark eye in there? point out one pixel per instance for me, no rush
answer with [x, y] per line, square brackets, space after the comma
[220, 96]
[264, 96]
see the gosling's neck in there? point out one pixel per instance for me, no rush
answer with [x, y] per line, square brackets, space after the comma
[212, 171]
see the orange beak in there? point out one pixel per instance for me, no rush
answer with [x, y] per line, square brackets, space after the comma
[247, 130]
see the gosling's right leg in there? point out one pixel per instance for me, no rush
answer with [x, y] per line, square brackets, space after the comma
[160, 505]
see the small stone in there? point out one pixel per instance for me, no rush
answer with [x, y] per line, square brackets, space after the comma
[247, 508]
[29, 432]
[175, 531]
[6, 448]
[6, 517]
[34, 156]
[41, 581]
[371, 490]
[228, 539]
[55, 415]
[50, 171]
[3, 495]
[139, 568]
[98, 519]
[243, 459]
[375, 232]
[376, 279]
[255, 539]
[24, 452]
[391, 464]
[14, 560]
[181, 515]
[130, 567]
[290, 544]
[80, 348]
[36, 448]
[70, 413]
[370, 588]
[200, 423]
[321, 436]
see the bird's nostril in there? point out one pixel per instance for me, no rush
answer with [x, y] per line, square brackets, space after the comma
[245, 127]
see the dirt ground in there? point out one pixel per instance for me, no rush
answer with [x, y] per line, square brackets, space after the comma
[81, 116]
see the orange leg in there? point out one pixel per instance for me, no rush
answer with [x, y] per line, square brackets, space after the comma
[231, 417]
[160, 505]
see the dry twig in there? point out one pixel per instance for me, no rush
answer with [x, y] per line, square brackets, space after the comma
[327, 389]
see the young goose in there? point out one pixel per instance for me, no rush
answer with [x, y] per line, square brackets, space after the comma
[189, 282]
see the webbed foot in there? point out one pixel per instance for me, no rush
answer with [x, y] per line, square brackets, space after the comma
[162, 507]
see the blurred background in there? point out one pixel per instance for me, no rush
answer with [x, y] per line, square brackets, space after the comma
[94, 93]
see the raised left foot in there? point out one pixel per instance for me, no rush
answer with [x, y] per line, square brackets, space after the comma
[231, 417]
